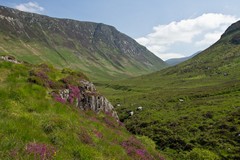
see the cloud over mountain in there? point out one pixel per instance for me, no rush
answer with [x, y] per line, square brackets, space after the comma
[199, 33]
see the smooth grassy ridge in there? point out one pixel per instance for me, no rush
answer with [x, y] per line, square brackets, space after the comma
[34, 126]
[191, 110]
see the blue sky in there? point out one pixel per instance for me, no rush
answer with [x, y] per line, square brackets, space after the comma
[172, 28]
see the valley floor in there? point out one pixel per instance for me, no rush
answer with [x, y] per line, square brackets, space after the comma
[188, 115]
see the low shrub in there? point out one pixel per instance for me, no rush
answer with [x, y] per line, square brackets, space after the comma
[135, 149]
[41, 151]
[84, 136]
[202, 154]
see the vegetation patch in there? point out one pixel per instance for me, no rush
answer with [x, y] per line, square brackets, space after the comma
[35, 126]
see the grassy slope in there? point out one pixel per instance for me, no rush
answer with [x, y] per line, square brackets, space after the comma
[30, 118]
[97, 68]
[208, 117]
[36, 53]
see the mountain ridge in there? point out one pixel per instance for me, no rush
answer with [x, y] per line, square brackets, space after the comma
[87, 46]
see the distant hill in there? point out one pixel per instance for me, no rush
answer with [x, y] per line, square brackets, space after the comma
[175, 61]
[101, 51]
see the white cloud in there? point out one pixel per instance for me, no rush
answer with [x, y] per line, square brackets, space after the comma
[199, 32]
[30, 7]
[209, 38]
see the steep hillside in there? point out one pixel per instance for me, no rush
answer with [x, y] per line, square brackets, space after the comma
[190, 110]
[49, 114]
[99, 50]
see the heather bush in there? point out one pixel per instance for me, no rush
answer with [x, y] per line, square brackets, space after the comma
[73, 79]
[110, 121]
[136, 150]
[98, 134]
[41, 78]
[74, 93]
[41, 151]
[84, 136]
[58, 98]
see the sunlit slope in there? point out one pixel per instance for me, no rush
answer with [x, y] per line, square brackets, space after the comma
[189, 110]
[35, 126]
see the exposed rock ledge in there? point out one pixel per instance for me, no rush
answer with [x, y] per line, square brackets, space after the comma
[10, 59]
[73, 89]
[86, 98]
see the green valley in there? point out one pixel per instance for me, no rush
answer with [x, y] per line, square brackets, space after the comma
[189, 110]
[140, 109]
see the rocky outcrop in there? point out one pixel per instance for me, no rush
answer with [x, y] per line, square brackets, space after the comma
[84, 95]
[10, 59]
[73, 89]
[86, 98]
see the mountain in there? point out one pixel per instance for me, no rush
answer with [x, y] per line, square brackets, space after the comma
[58, 114]
[99, 50]
[175, 61]
[190, 110]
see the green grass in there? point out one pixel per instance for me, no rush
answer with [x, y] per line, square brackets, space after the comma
[191, 110]
[98, 69]
[29, 115]
[205, 124]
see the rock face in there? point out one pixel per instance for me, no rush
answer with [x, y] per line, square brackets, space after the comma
[86, 98]
[10, 59]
